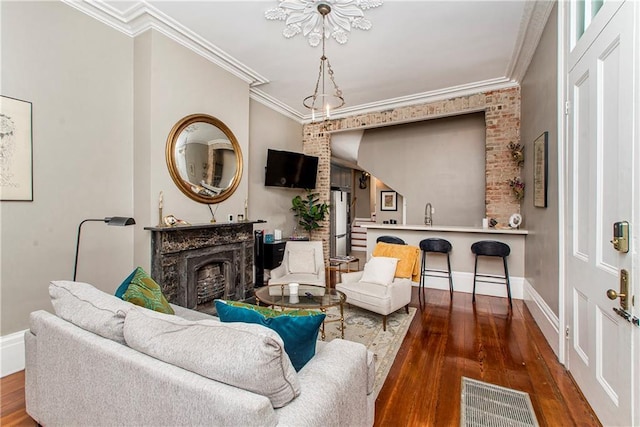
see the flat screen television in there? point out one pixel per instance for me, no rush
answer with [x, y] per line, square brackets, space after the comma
[292, 170]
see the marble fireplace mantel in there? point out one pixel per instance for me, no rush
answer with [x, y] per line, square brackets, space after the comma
[179, 252]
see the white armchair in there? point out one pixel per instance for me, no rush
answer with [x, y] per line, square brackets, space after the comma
[303, 263]
[376, 290]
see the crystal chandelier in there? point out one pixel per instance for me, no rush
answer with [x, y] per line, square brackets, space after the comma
[322, 102]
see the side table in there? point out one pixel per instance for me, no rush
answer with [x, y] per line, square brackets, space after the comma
[336, 265]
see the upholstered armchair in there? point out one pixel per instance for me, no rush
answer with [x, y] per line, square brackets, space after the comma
[303, 263]
[376, 289]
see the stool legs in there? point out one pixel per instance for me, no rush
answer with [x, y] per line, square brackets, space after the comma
[506, 275]
[475, 271]
[421, 295]
[506, 278]
[450, 277]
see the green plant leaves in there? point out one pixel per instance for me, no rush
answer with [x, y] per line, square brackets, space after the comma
[309, 210]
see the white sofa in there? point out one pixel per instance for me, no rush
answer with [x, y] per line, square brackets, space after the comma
[99, 361]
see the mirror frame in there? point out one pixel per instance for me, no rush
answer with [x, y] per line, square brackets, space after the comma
[173, 168]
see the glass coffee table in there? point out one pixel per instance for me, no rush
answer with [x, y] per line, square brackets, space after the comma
[306, 300]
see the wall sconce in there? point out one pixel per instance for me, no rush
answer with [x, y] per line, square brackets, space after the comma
[120, 221]
[364, 177]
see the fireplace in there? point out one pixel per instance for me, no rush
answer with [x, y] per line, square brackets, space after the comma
[196, 264]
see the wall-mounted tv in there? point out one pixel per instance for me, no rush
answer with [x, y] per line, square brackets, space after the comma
[292, 170]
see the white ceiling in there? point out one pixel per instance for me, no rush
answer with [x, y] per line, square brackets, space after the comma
[416, 51]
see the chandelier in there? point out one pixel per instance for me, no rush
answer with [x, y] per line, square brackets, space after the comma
[321, 103]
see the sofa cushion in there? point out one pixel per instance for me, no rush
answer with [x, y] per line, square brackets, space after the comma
[298, 328]
[89, 308]
[145, 292]
[379, 270]
[302, 261]
[247, 356]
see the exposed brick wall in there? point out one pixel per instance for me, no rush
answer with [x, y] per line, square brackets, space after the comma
[502, 117]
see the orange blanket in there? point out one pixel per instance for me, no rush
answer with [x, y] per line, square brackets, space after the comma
[408, 256]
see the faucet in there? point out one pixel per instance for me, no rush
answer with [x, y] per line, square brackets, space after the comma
[428, 218]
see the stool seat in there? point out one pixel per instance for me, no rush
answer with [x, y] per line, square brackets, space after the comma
[491, 248]
[434, 245]
[391, 239]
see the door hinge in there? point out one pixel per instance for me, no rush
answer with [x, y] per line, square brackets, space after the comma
[566, 333]
[567, 108]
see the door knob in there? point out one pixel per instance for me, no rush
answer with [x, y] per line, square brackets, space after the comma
[611, 294]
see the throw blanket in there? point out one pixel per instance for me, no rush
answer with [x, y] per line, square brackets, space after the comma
[408, 256]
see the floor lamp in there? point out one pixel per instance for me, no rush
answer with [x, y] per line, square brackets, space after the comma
[112, 220]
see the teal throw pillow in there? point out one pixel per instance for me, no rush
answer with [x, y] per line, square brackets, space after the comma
[125, 284]
[297, 328]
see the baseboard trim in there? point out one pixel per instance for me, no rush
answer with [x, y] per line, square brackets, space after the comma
[543, 315]
[12, 353]
[463, 282]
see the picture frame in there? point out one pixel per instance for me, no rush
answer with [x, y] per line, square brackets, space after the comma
[16, 150]
[540, 170]
[388, 201]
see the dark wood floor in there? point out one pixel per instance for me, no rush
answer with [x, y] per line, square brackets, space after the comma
[450, 339]
[446, 341]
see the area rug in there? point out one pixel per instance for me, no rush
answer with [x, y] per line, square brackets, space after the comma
[365, 327]
[485, 404]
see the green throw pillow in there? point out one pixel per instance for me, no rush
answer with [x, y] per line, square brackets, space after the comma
[145, 292]
[297, 328]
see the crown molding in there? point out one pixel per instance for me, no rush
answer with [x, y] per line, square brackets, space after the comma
[423, 98]
[270, 102]
[532, 25]
[142, 17]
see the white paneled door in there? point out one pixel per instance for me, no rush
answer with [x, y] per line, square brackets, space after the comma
[602, 188]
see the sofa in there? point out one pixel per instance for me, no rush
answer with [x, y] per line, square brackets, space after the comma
[100, 360]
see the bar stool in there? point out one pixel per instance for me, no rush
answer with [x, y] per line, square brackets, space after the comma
[494, 249]
[434, 245]
[391, 239]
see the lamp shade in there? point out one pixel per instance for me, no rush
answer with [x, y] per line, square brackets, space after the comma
[119, 220]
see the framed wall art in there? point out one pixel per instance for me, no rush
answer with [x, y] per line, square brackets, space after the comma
[388, 201]
[540, 170]
[16, 150]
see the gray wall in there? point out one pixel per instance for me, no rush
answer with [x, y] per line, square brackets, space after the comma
[441, 161]
[77, 73]
[539, 114]
[103, 106]
[269, 129]
[171, 83]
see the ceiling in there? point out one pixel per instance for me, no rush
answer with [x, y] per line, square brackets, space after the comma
[415, 51]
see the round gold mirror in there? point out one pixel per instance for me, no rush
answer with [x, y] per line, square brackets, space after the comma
[204, 158]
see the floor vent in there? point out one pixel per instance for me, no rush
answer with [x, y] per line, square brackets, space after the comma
[484, 404]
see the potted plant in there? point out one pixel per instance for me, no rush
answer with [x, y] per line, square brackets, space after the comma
[309, 211]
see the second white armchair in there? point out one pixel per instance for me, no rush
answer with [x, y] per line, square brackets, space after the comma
[376, 289]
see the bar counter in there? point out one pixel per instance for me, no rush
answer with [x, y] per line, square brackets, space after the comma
[462, 259]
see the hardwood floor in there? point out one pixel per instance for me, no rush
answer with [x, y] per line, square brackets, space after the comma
[446, 340]
[451, 339]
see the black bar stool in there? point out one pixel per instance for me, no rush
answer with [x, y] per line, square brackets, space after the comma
[391, 239]
[494, 249]
[434, 245]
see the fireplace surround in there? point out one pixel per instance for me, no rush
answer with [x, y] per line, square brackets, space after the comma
[195, 264]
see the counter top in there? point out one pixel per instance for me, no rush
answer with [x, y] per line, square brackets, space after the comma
[445, 228]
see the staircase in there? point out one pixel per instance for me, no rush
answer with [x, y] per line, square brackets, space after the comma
[359, 234]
